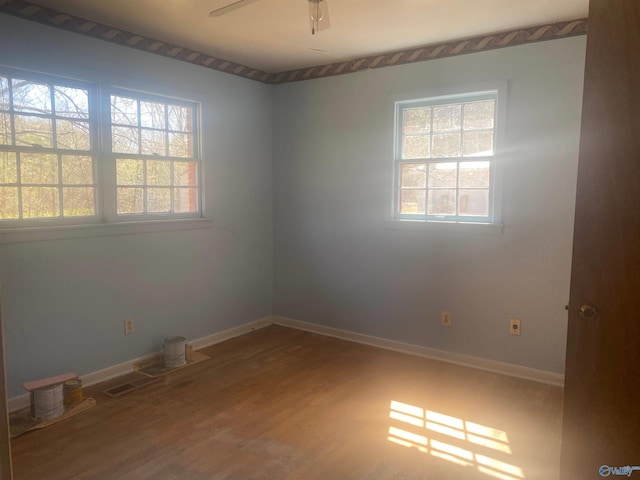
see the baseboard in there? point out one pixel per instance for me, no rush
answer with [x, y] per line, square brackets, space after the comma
[519, 371]
[231, 333]
[93, 378]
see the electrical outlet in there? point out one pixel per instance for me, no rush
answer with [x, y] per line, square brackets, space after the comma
[128, 326]
[446, 319]
[514, 326]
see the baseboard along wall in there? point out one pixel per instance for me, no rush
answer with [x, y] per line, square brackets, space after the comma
[494, 366]
[93, 378]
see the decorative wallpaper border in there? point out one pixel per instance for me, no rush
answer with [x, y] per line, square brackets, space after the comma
[441, 50]
[54, 18]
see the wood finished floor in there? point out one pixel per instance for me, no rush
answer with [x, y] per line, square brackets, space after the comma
[281, 404]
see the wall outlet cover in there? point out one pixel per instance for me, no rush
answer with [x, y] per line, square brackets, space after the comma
[514, 326]
[128, 326]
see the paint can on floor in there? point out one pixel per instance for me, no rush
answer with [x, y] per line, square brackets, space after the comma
[174, 352]
[72, 392]
[47, 403]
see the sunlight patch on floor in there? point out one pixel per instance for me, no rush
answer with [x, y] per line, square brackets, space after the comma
[470, 440]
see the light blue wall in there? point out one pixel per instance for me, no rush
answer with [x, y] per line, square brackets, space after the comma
[64, 302]
[337, 265]
[308, 164]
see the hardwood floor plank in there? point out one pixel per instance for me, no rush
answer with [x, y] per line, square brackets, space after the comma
[284, 404]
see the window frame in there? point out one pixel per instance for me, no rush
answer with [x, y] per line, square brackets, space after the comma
[110, 157]
[104, 171]
[94, 149]
[492, 222]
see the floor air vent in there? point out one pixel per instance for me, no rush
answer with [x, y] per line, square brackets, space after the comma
[129, 386]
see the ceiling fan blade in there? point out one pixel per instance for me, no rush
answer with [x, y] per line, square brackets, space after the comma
[229, 6]
[318, 15]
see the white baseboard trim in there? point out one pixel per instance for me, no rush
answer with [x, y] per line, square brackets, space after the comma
[18, 403]
[494, 366]
[93, 378]
[231, 333]
[22, 401]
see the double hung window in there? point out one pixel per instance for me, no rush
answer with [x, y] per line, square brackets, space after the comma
[445, 158]
[153, 142]
[48, 150]
[65, 161]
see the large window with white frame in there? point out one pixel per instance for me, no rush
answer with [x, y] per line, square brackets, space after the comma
[153, 142]
[65, 161]
[445, 158]
[48, 150]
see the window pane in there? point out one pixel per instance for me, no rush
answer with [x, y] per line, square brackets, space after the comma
[413, 175]
[58, 177]
[184, 173]
[152, 114]
[153, 142]
[33, 131]
[38, 168]
[31, 97]
[479, 114]
[447, 117]
[71, 102]
[180, 145]
[73, 135]
[40, 202]
[474, 202]
[78, 201]
[125, 140]
[442, 202]
[446, 156]
[416, 120]
[412, 201]
[180, 118]
[159, 200]
[130, 200]
[443, 174]
[5, 129]
[124, 111]
[158, 172]
[129, 172]
[415, 146]
[185, 200]
[77, 170]
[9, 203]
[4, 93]
[478, 144]
[475, 174]
[446, 145]
[8, 167]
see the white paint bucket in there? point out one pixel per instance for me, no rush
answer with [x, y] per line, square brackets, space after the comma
[174, 352]
[47, 403]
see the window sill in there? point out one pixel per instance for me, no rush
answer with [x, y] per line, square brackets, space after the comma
[38, 234]
[444, 227]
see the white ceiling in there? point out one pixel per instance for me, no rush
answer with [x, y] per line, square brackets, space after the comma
[274, 35]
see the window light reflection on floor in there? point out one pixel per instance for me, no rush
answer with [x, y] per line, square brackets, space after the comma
[408, 439]
[420, 422]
